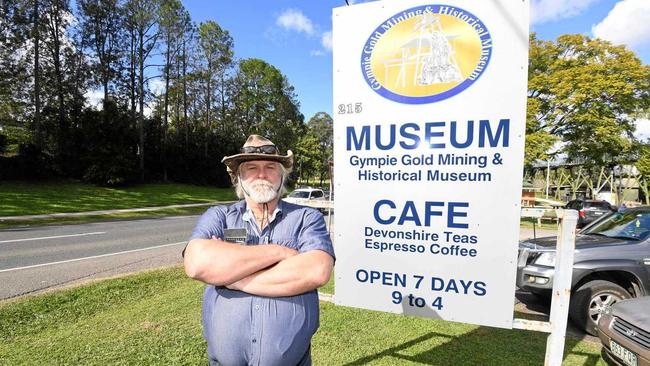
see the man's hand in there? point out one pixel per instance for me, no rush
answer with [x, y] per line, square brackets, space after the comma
[219, 262]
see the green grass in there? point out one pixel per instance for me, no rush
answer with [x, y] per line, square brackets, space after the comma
[153, 318]
[23, 198]
[528, 223]
[329, 286]
[108, 217]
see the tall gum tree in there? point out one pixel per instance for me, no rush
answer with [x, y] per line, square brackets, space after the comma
[142, 26]
[216, 52]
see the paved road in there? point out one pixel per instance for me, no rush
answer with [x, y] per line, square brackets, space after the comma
[40, 258]
[37, 259]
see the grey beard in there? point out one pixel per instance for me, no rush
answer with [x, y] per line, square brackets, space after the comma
[260, 191]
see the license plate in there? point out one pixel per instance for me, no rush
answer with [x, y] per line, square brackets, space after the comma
[628, 357]
[598, 213]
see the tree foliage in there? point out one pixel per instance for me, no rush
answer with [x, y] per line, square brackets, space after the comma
[263, 102]
[585, 93]
[308, 160]
[321, 126]
[53, 57]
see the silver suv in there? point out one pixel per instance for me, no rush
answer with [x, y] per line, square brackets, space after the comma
[611, 263]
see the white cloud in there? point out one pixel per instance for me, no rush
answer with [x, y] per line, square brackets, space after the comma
[317, 53]
[326, 40]
[157, 86]
[94, 98]
[543, 11]
[628, 23]
[642, 129]
[294, 19]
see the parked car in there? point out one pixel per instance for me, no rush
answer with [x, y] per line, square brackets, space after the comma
[590, 210]
[611, 263]
[624, 332]
[314, 197]
[305, 194]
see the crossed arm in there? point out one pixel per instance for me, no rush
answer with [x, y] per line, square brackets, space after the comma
[265, 270]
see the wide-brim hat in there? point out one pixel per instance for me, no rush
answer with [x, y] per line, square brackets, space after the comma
[256, 147]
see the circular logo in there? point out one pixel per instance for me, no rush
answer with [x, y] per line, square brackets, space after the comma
[426, 54]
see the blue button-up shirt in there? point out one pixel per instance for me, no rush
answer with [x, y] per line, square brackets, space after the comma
[244, 329]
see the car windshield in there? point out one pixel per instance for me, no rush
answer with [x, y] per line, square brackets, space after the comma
[631, 224]
[299, 194]
[603, 205]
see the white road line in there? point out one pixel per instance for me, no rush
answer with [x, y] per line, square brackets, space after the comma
[91, 257]
[52, 237]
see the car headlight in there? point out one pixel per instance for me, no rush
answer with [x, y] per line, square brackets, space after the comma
[546, 259]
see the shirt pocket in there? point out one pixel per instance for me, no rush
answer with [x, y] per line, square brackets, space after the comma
[288, 242]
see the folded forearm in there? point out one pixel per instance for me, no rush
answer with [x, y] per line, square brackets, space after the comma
[221, 263]
[292, 276]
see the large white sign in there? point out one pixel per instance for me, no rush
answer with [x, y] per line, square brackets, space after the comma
[429, 104]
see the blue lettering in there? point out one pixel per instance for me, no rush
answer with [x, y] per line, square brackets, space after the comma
[452, 213]
[352, 137]
[391, 141]
[437, 284]
[486, 130]
[390, 219]
[470, 135]
[362, 275]
[479, 288]
[411, 136]
[434, 134]
[409, 214]
[429, 211]
[428, 134]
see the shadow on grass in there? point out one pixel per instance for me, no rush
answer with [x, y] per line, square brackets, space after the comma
[482, 346]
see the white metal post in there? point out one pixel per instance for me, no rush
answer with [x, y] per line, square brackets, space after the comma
[329, 207]
[548, 173]
[561, 288]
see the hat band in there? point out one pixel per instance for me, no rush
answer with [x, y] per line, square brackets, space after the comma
[264, 149]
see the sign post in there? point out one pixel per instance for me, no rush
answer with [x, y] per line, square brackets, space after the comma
[429, 127]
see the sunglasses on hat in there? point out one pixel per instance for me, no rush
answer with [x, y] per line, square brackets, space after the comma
[264, 149]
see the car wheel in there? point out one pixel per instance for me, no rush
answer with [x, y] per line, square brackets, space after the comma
[590, 301]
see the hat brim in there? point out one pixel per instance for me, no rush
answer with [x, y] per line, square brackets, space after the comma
[233, 161]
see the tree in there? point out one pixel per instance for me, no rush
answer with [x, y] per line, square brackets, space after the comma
[321, 126]
[15, 74]
[111, 162]
[60, 72]
[263, 102]
[188, 38]
[103, 22]
[141, 21]
[308, 157]
[643, 165]
[171, 27]
[216, 47]
[583, 91]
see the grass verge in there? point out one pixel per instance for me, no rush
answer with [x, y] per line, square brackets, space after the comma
[153, 318]
[528, 223]
[108, 217]
[24, 198]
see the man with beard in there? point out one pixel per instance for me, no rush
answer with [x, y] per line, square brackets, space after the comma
[262, 260]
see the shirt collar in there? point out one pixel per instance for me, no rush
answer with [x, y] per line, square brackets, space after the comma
[248, 213]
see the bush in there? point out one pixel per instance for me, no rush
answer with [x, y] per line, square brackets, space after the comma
[3, 143]
[109, 152]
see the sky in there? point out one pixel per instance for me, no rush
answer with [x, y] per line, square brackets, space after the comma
[295, 36]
